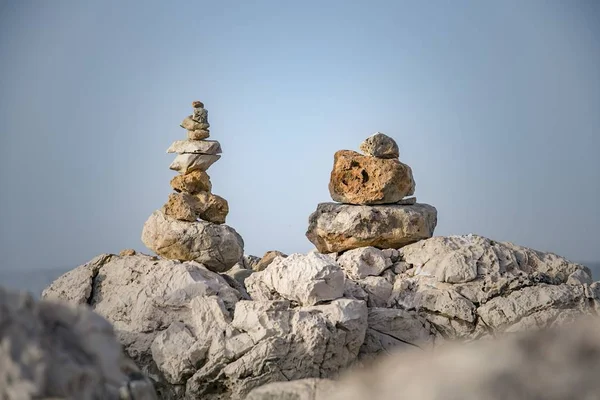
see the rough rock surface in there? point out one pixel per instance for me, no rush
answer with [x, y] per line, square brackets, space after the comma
[380, 145]
[305, 279]
[181, 206]
[195, 147]
[199, 334]
[189, 330]
[54, 350]
[267, 259]
[199, 134]
[192, 183]
[339, 227]
[556, 364]
[191, 125]
[185, 163]
[211, 207]
[218, 247]
[358, 179]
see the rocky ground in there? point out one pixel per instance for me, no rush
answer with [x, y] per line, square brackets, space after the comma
[209, 335]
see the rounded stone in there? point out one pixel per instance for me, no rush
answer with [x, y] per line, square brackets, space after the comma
[193, 182]
[197, 104]
[218, 247]
[380, 145]
[199, 134]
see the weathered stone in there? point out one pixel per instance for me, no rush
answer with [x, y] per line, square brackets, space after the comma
[199, 134]
[378, 290]
[185, 163]
[197, 104]
[56, 350]
[191, 125]
[380, 145]
[364, 261]
[339, 227]
[358, 179]
[200, 115]
[239, 274]
[305, 279]
[181, 206]
[556, 364]
[250, 261]
[211, 208]
[267, 259]
[409, 201]
[218, 247]
[192, 182]
[195, 147]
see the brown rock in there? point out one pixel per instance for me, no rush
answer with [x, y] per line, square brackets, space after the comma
[211, 208]
[267, 259]
[197, 104]
[200, 134]
[181, 206]
[191, 125]
[127, 252]
[192, 183]
[358, 179]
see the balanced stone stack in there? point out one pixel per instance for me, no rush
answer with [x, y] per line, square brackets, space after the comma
[191, 225]
[375, 210]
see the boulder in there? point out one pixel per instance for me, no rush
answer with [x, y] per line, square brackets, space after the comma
[218, 247]
[339, 227]
[305, 279]
[358, 179]
[195, 147]
[211, 208]
[267, 259]
[364, 261]
[57, 350]
[380, 145]
[199, 134]
[194, 182]
[185, 163]
[191, 125]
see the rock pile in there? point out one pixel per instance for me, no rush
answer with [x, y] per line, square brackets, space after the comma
[374, 211]
[200, 334]
[190, 226]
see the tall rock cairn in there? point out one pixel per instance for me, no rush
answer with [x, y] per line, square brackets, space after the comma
[191, 225]
[373, 209]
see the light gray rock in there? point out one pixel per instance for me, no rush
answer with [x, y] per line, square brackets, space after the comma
[380, 145]
[239, 273]
[305, 279]
[556, 364]
[378, 290]
[250, 261]
[57, 350]
[218, 247]
[338, 227]
[200, 115]
[302, 389]
[195, 147]
[364, 261]
[185, 163]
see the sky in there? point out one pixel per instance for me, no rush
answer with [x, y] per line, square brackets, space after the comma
[494, 105]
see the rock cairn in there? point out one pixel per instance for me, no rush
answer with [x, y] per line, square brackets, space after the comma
[374, 210]
[191, 225]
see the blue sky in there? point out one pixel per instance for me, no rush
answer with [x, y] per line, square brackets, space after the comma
[495, 105]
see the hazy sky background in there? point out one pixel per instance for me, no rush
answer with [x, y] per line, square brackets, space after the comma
[494, 104]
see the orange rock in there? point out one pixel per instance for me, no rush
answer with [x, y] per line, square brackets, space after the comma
[192, 183]
[358, 179]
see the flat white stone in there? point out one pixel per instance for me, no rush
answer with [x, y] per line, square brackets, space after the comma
[195, 147]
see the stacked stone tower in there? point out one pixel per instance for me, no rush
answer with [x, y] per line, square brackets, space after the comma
[191, 225]
[372, 208]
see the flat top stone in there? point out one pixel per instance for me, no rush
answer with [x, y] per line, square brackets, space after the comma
[195, 147]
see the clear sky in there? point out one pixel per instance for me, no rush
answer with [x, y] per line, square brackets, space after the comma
[494, 104]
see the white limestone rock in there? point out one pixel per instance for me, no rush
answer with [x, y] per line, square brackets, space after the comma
[364, 261]
[59, 350]
[195, 147]
[305, 279]
[185, 163]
